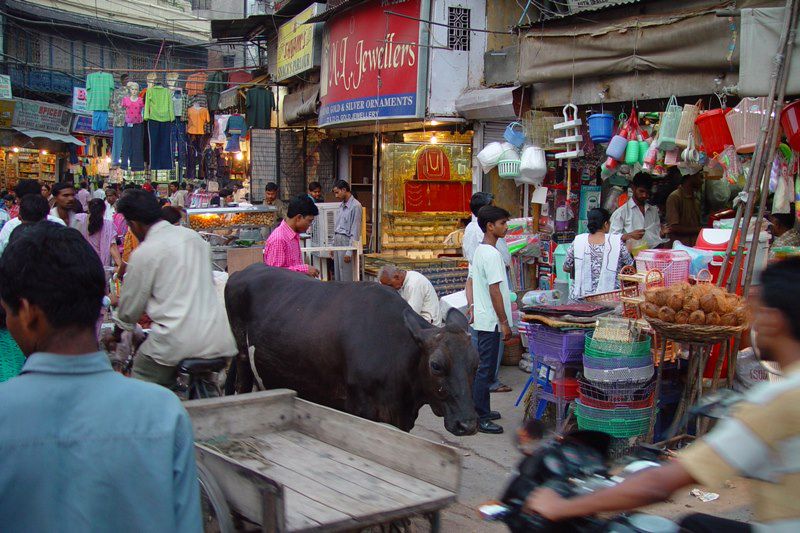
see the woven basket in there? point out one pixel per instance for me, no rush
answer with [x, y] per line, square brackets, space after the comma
[512, 352]
[693, 333]
[686, 125]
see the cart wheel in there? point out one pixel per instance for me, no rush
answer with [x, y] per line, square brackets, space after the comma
[216, 513]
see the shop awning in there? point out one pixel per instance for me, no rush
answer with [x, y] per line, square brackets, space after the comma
[489, 104]
[52, 136]
[334, 8]
[301, 105]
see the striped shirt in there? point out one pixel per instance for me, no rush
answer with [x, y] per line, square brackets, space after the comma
[282, 249]
[760, 441]
[348, 221]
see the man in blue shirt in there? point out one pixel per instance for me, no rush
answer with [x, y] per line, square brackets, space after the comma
[82, 448]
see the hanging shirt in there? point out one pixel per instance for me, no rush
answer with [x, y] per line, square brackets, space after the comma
[94, 450]
[99, 86]
[259, 103]
[178, 103]
[236, 125]
[198, 118]
[220, 127]
[195, 83]
[133, 110]
[117, 110]
[158, 105]
[214, 85]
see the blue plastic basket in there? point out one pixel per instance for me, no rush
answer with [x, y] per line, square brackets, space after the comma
[11, 357]
[554, 344]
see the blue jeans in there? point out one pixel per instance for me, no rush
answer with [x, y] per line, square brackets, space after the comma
[488, 350]
[132, 153]
[160, 149]
[116, 145]
[500, 350]
[179, 141]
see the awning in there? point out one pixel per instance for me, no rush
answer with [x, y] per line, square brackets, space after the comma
[489, 104]
[248, 28]
[301, 105]
[52, 136]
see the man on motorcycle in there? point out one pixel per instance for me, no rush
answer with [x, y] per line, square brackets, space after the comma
[760, 440]
[169, 278]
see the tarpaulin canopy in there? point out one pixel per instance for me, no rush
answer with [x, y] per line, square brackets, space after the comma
[488, 104]
[761, 30]
[52, 136]
[301, 105]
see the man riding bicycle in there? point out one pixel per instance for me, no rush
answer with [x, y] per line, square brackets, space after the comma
[169, 277]
[760, 440]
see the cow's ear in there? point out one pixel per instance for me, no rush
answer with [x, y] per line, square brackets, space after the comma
[456, 322]
[411, 320]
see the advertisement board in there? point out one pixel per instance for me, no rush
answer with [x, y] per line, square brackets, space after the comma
[42, 116]
[79, 100]
[83, 124]
[6, 113]
[374, 65]
[299, 44]
[5, 87]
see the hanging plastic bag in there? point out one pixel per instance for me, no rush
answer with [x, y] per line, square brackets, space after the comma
[784, 190]
[732, 171]
[533, 163]
[515, 134]
[611, 199]
[489, 157]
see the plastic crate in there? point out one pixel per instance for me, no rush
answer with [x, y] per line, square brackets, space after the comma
[566, 388]
[11, 357]
[555, 344]
[611, 363]
[637, 374]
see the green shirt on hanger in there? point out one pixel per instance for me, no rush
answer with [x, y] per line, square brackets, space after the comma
[158, 104]
[259, 102]
[99, 86]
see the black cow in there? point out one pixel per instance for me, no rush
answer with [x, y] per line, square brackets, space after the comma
[356, 347]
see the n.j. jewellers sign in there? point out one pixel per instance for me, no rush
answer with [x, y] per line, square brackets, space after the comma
[372, 64]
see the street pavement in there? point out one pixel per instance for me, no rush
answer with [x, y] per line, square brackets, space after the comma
[488, 462]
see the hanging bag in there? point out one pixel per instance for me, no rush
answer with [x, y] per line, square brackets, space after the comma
[669, 125]
[686, 125]
[533, 163]
[489, 157]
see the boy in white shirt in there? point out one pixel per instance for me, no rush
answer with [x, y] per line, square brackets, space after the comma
[489, 309]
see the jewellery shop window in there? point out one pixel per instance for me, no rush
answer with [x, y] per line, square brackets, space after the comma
[426, 193]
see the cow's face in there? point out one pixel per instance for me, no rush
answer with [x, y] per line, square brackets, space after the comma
[447, 369]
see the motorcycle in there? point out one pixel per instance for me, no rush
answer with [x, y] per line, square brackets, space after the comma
[572, 465]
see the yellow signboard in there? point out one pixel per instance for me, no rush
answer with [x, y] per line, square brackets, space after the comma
[299, 44]
[6, 113]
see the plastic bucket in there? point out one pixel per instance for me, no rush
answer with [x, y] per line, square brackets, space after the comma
[515, 136]
[643, 148]
[714, 130]
[790, 121]
[632, 153]
[601, 127]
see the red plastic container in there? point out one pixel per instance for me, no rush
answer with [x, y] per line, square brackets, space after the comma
[714, 130]
[790, 121]
[566, 388]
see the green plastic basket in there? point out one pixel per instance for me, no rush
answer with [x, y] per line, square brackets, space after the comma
[11, 358]
[604, 348]
[615, 427]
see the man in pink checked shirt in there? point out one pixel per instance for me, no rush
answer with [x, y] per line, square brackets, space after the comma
[282, 248]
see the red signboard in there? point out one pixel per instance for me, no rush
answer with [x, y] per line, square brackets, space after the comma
[372, 63]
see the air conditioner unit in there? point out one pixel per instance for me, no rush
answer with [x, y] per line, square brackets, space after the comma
[323, 225]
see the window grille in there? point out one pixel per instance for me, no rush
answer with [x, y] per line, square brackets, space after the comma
[458, 34]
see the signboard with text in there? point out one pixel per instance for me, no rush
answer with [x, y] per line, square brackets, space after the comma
[79, 100]
[6, 113]
[372, 65]
[83, 124]
[5, 87]
[42, 116]
[299, 44]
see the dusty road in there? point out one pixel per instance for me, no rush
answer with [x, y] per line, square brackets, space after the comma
[488, 460]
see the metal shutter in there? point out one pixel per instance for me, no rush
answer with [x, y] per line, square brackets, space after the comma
[493, 132]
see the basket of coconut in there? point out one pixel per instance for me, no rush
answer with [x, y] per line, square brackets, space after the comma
[701, 313]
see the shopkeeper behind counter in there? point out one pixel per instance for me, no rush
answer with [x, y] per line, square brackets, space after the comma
[594, 259]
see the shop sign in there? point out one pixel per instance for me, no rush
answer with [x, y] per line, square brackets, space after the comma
[372, 66]
[5, 87]
[83, 124]
[299, 44]
[42, 116]
[79, 100]
[6, 113]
